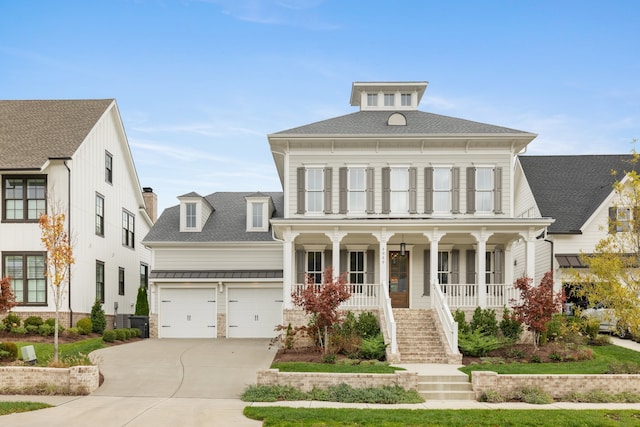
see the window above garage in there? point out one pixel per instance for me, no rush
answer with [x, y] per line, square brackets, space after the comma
[194, 212]
[260, 208]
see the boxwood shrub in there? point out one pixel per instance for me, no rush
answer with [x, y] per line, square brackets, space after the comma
[109, 336]
[85, 326]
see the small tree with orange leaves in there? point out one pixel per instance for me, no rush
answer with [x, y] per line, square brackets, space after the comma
[322, 302]
[59, 259]
[7, 297]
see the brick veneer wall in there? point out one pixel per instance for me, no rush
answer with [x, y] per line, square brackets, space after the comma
[557, 386]
[153, 325]
[307, 380]
[78, 379]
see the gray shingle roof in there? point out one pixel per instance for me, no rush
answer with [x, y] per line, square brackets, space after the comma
[216, 274]
[418, 123]
[571, 188]
[228, 223]
[33, 131]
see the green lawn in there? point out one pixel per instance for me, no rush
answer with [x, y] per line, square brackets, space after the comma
[364, 368]
[13, 407]
[284, 417]
[603, 356]
[44, 351]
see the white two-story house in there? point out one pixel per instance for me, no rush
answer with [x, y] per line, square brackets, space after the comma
[417, 209]
[72, 157]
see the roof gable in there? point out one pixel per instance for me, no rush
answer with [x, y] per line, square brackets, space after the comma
[33, 131]
[571, 188]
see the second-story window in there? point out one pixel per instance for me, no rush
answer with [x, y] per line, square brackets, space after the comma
[357, 188]
[191, 215]
[442, 189]
[99, 215]
[389, 99]
[399, 185]
[128, 229]
[144, 275]
[257, 215]
[484, 189]
[315, 190]
[405, 99]
[622, 219]
[24, 197]
[108, 167]
[372, 99]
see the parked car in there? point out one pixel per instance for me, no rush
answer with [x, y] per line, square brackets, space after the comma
[609, 322]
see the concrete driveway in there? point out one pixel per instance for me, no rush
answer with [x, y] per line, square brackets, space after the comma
[166, 382]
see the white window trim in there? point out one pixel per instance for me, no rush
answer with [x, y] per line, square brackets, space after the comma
[350, 210]
[400, 166]
[447, 212]
[490, 212]
[265, 214]
[306, 188]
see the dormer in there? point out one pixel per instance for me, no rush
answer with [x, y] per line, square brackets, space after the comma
[387, 96]
[260, 208]
[194, 212]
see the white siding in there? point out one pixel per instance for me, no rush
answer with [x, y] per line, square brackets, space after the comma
[230, 257]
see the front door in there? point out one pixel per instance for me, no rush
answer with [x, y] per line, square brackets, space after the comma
[399, 279]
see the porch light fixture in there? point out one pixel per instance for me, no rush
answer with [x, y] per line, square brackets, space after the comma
[403, 247]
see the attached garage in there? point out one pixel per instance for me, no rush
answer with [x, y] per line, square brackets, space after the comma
[187, 312]
[253, 312]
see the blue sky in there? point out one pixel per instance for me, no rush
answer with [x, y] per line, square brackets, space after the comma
[200, 83]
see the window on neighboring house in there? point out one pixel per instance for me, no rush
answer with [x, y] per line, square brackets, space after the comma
[315, 189]
[100, 281]
[399, 185]
[442, 190]
[357, 269]
[314, 266]
[357, 187]
[257, 215]
[24, 197]
[405, 99]
[622, 219]
[372, 99]
[484, 189]
[108, 167]
[99, 215]
[28, 278]
[128, 229]
[144, 276]
[389, 99]
[190, 215]
[120, 281]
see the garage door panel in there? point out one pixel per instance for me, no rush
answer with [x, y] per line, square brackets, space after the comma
[188, 313]
[254, 313]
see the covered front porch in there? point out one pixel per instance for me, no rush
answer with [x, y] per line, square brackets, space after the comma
[436, 265]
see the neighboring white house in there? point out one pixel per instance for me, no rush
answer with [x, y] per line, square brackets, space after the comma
[577, 191]
[72, 156]
[417, 208]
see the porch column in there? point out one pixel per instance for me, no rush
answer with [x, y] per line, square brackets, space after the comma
[336, 237]
[531, 254]
[434, 238]
[481, 238]
[508, 265]
[287, 266]
[383, 237]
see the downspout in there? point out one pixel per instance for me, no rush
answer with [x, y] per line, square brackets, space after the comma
[69, 236]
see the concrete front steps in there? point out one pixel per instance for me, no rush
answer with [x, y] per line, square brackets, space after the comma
[418, 338]
[445, 387]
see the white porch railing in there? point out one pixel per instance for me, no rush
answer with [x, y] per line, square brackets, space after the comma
[450, 326]
[466, 295]
[362, 295]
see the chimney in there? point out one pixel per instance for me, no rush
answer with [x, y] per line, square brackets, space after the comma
[150, 202]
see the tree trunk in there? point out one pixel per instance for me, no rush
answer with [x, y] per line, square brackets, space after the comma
[55, 337]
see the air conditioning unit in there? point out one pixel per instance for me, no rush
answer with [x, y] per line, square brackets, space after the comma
[122, 321]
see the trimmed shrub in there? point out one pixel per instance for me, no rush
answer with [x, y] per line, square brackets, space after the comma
[45, 330]
[33, 321]
[135, 332]
[367, 325]
[109, 336]
[509, 326]
[373, 348]
[73, 332]
[84, 326]
[8, 351]
[31, 329]
[11, 321]
[121, 335]
[478, 344]
[18, 331]
[98, 319]
[463, 326]
[484, 321]
[51, 322]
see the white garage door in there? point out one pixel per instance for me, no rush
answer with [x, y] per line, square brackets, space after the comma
[254, 313]
[187, 313]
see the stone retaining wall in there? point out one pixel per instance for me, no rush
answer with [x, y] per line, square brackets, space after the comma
[77, 379]
[305, 381]
[556, 386]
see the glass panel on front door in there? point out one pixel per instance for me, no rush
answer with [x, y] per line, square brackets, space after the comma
[399, 279]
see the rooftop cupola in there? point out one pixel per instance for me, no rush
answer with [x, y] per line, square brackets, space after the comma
[387, 96]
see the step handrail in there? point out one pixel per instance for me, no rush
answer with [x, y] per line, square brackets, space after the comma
[450, 326]
[389, 319]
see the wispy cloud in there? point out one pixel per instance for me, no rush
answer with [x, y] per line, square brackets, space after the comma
[295, 13]
[207, 129]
